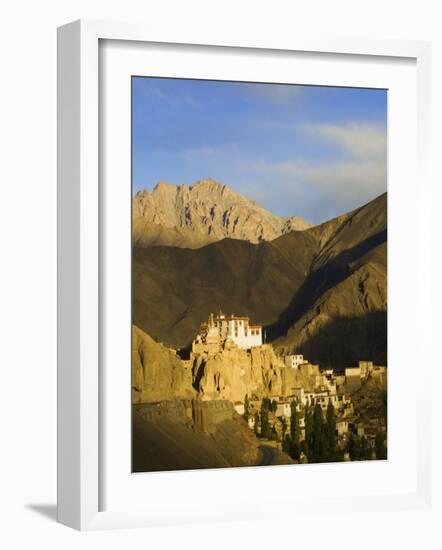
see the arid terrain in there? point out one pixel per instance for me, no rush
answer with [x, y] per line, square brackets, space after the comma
[193, 216]
[308, 288]
[318, 292]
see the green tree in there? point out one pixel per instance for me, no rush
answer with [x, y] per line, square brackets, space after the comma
[365, 449]
[318, 439]
[291, 443]
[266, 403]
[380, 446]
[284, 428]
[255, 427]
[286, 443]
[354, 447]
[330, 432]
[246, 407]
[265, 418]
[308, 416]
[295, 433]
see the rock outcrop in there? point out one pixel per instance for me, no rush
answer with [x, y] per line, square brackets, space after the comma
[233, 373]
[196, 215]
[157, 372]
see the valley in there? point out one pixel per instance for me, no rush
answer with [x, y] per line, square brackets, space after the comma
[305, 380]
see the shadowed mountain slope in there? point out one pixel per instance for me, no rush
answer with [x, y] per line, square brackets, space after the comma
[174, 442]
[296, 285]
[175, 289]
[346, 284]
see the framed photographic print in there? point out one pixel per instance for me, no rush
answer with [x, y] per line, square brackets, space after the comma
[237, 301]
[231, 311]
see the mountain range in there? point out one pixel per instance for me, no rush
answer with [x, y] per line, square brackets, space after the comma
[191, 216]
[320, 290]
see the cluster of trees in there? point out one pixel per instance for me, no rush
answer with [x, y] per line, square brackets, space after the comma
[267, 406]
[320, 443]
[359, 449]
[262, 419]
[381, 446]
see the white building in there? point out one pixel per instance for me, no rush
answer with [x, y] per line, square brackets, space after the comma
[300, 396]
[294, 361]
[284, 409]
[234, 328]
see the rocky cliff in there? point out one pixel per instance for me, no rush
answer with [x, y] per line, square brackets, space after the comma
[233, 373]
[157, 373]
[193, 216]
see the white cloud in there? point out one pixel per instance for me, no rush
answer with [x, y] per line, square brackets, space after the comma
[363, 170]
[317, 189]
[326, 188]
[359, 140]
[356, 179]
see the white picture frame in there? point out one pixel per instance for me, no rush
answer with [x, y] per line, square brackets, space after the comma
[79, 265]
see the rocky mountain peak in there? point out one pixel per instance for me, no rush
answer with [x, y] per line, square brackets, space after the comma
[194, 215]
[163, 187]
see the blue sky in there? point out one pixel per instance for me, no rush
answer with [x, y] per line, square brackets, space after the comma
[297, 150]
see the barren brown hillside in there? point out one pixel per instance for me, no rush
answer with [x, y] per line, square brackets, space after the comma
[311, 289]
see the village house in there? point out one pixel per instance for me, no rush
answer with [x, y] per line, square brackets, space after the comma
[356, 375]
[309, 398]
[309, 385]
[283, 409]
[342, 426]
[340, 382]
[293, 361]
[358, 428]
[365, 367]
[380, 373]
[254, 405]
[307, 369]
[299, 395]
[353, 380]
[330, 382]
[345, 406]
[353, 372]
[325, 398]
